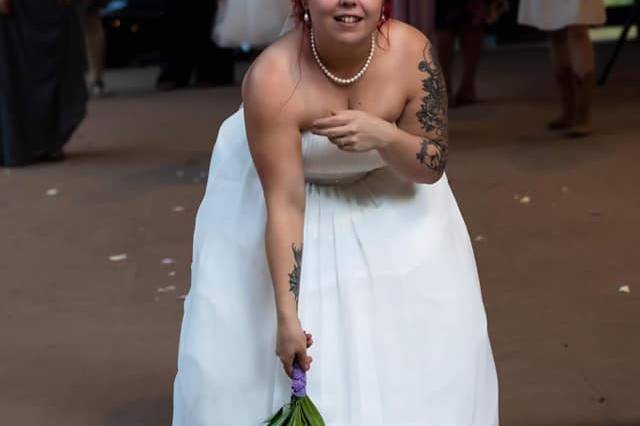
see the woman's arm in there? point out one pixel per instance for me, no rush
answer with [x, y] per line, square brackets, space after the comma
[274, 141]
[419, 148]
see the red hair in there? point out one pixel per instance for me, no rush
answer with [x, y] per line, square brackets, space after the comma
[298, 10]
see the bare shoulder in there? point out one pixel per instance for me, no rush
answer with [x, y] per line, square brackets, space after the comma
[409, 43]
[412, 49]
[271, 80]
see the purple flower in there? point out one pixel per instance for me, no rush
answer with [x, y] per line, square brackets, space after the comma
[298, 382]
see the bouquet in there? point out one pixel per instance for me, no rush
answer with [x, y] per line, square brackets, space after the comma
[300, 411]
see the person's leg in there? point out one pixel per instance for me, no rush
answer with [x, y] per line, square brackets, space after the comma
[471, 43]
[214, 65]
[445, 37]
[95, 40]
[178, 43]
[582, 60]
[559, 49]
[445, 43]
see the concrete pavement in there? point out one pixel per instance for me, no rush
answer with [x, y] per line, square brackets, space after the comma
[87, 341]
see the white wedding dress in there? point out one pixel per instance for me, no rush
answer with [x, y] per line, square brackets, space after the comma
[389, 290]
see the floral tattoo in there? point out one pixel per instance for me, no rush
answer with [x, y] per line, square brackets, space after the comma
[434, 149]
[294, 275]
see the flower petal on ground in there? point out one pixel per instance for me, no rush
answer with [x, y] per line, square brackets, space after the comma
[118, 257]
[166, 289]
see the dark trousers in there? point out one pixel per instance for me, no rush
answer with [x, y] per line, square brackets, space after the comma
[188, 47]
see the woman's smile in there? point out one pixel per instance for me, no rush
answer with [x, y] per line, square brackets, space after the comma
[348, 20]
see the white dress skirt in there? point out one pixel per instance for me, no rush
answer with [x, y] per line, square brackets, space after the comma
[550, 15]
[253, 22]
[389, 289]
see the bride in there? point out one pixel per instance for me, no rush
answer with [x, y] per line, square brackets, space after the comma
[328, 210]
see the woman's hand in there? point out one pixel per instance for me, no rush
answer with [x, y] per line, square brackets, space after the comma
[5, 7]
[292, 344]
[355, 131]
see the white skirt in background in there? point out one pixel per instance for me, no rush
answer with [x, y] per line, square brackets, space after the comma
[549, 15]
[254, 22]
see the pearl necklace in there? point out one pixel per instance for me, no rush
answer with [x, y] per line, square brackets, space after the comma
[335, 78]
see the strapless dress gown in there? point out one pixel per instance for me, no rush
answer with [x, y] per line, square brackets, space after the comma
[389, 289]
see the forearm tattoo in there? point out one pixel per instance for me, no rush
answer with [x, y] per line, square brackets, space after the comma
[434, 149]
[294, 275]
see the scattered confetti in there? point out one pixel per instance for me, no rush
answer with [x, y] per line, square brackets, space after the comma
[52, 192]
[624, 289]
[168, 261]
[177, 209]
[525, 200]
[118, 257]
[166, 289]
[180, 173]
[565, 189]
[479, 238]
[172, 273]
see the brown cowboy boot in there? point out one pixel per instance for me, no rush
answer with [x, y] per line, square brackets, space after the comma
[584, 93]
[564, 78]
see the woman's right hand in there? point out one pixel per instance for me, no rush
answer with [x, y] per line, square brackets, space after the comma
[292, 343]
[5, 7]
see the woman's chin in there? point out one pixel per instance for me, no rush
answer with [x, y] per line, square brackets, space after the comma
[354, 37]
[349, 33]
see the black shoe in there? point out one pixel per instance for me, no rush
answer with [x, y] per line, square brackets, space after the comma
[54, 156]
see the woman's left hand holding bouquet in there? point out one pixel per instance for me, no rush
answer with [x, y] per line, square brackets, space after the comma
[273, 124]
[274, 141]
[292, 344]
